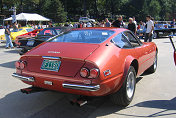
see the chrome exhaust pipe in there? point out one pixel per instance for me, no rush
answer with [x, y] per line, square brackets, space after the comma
[82, 100]
[81, 103]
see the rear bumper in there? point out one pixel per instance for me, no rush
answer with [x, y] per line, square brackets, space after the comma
[23, 78]
[64, 85]
[69, 84]
[81, 87]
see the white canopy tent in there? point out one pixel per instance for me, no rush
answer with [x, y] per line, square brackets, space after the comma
[28, 17]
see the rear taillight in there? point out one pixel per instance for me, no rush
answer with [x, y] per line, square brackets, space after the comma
[84, 72]
[91, 74]
[20, 64]
[17, 64]
[94, 73]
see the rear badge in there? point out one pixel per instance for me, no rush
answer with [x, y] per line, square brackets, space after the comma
[48, 82]
[107, 72]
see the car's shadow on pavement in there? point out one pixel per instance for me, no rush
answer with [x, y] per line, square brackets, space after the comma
[11, 51]
[56, 105]
[8, 64]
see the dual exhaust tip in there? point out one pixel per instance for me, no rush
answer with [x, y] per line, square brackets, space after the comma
[82, 100]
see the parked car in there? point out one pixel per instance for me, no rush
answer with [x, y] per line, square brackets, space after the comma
[27, 35]
[23, 30]
[26, 44]
[2, 35]
[85, 19]
[163, 29]
[89, 62]
[173, 45]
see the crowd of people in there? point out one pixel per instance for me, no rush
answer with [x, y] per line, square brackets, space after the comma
[132, 25]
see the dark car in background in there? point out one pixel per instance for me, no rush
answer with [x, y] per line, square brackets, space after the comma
[26, 44]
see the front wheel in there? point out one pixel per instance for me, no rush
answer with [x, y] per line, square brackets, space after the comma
[124, 96]
[155, 35]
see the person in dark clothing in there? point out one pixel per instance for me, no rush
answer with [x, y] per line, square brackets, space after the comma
[173, 23]
[118, 23]
[132, 26]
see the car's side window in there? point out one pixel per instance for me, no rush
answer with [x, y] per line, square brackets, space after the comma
[132, 39]
[121, 41]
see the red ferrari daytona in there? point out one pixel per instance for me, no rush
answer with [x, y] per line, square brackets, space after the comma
[89, 62]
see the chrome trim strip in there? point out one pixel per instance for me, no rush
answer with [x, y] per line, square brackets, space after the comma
[23, 78]
[47, 57]
[81, 87]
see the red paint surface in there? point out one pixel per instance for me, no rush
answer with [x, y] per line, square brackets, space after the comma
[75, 56]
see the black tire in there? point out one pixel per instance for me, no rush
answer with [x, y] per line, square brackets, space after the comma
[155, 35]
[122, 97]
[153, 68]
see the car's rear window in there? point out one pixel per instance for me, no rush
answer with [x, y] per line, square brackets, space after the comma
[84, 36]
[50, 32]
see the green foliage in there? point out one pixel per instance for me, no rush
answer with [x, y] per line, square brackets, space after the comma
[71, 10]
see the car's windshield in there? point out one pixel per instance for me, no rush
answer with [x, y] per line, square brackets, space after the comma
[16, 30]
[49, 32]
[84, 36]
[29, 30]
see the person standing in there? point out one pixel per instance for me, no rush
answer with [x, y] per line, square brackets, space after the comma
[149, 30]
[107, 24]
[119, 22]
[50, 24]
[132, 26]
[8, 38]
[134, 21]
[89, 24]
[173, 23]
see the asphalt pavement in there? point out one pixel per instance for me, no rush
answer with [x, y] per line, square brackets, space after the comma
[155, 94]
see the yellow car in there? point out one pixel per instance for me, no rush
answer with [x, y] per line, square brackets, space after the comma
[19, 31]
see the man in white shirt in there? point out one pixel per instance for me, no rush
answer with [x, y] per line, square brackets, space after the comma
[149, 30]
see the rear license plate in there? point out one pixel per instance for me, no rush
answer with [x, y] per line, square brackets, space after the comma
[30, 43]
[51, 65]
[160, 32]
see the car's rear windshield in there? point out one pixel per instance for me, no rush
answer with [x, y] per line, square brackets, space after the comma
[50, 32]
[84, 36]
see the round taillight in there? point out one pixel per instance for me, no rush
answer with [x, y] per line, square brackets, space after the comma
[94, 73]
[17, 64]
[84, 72]
[22, 65]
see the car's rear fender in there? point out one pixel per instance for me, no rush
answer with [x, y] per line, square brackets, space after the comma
[129, 61]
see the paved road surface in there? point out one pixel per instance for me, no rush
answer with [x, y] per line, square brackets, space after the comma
[155, 94]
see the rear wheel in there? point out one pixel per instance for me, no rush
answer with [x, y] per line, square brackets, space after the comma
[124, 96]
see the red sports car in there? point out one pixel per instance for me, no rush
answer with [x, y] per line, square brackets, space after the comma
[89, 62]
[27, 35]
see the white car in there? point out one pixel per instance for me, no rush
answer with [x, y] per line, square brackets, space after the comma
[85, 19]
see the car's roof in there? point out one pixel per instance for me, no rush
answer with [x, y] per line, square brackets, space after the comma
[103, 28]
[25, 28]
[55, 28]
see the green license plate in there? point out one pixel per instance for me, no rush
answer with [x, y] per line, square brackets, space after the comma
[51, 65]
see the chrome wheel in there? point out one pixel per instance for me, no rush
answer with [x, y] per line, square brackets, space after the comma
[130, 85]
[155, 35]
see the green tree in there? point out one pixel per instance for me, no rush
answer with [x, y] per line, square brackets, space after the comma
[154, 9]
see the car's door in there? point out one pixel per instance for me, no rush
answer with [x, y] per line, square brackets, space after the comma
[142, 51]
